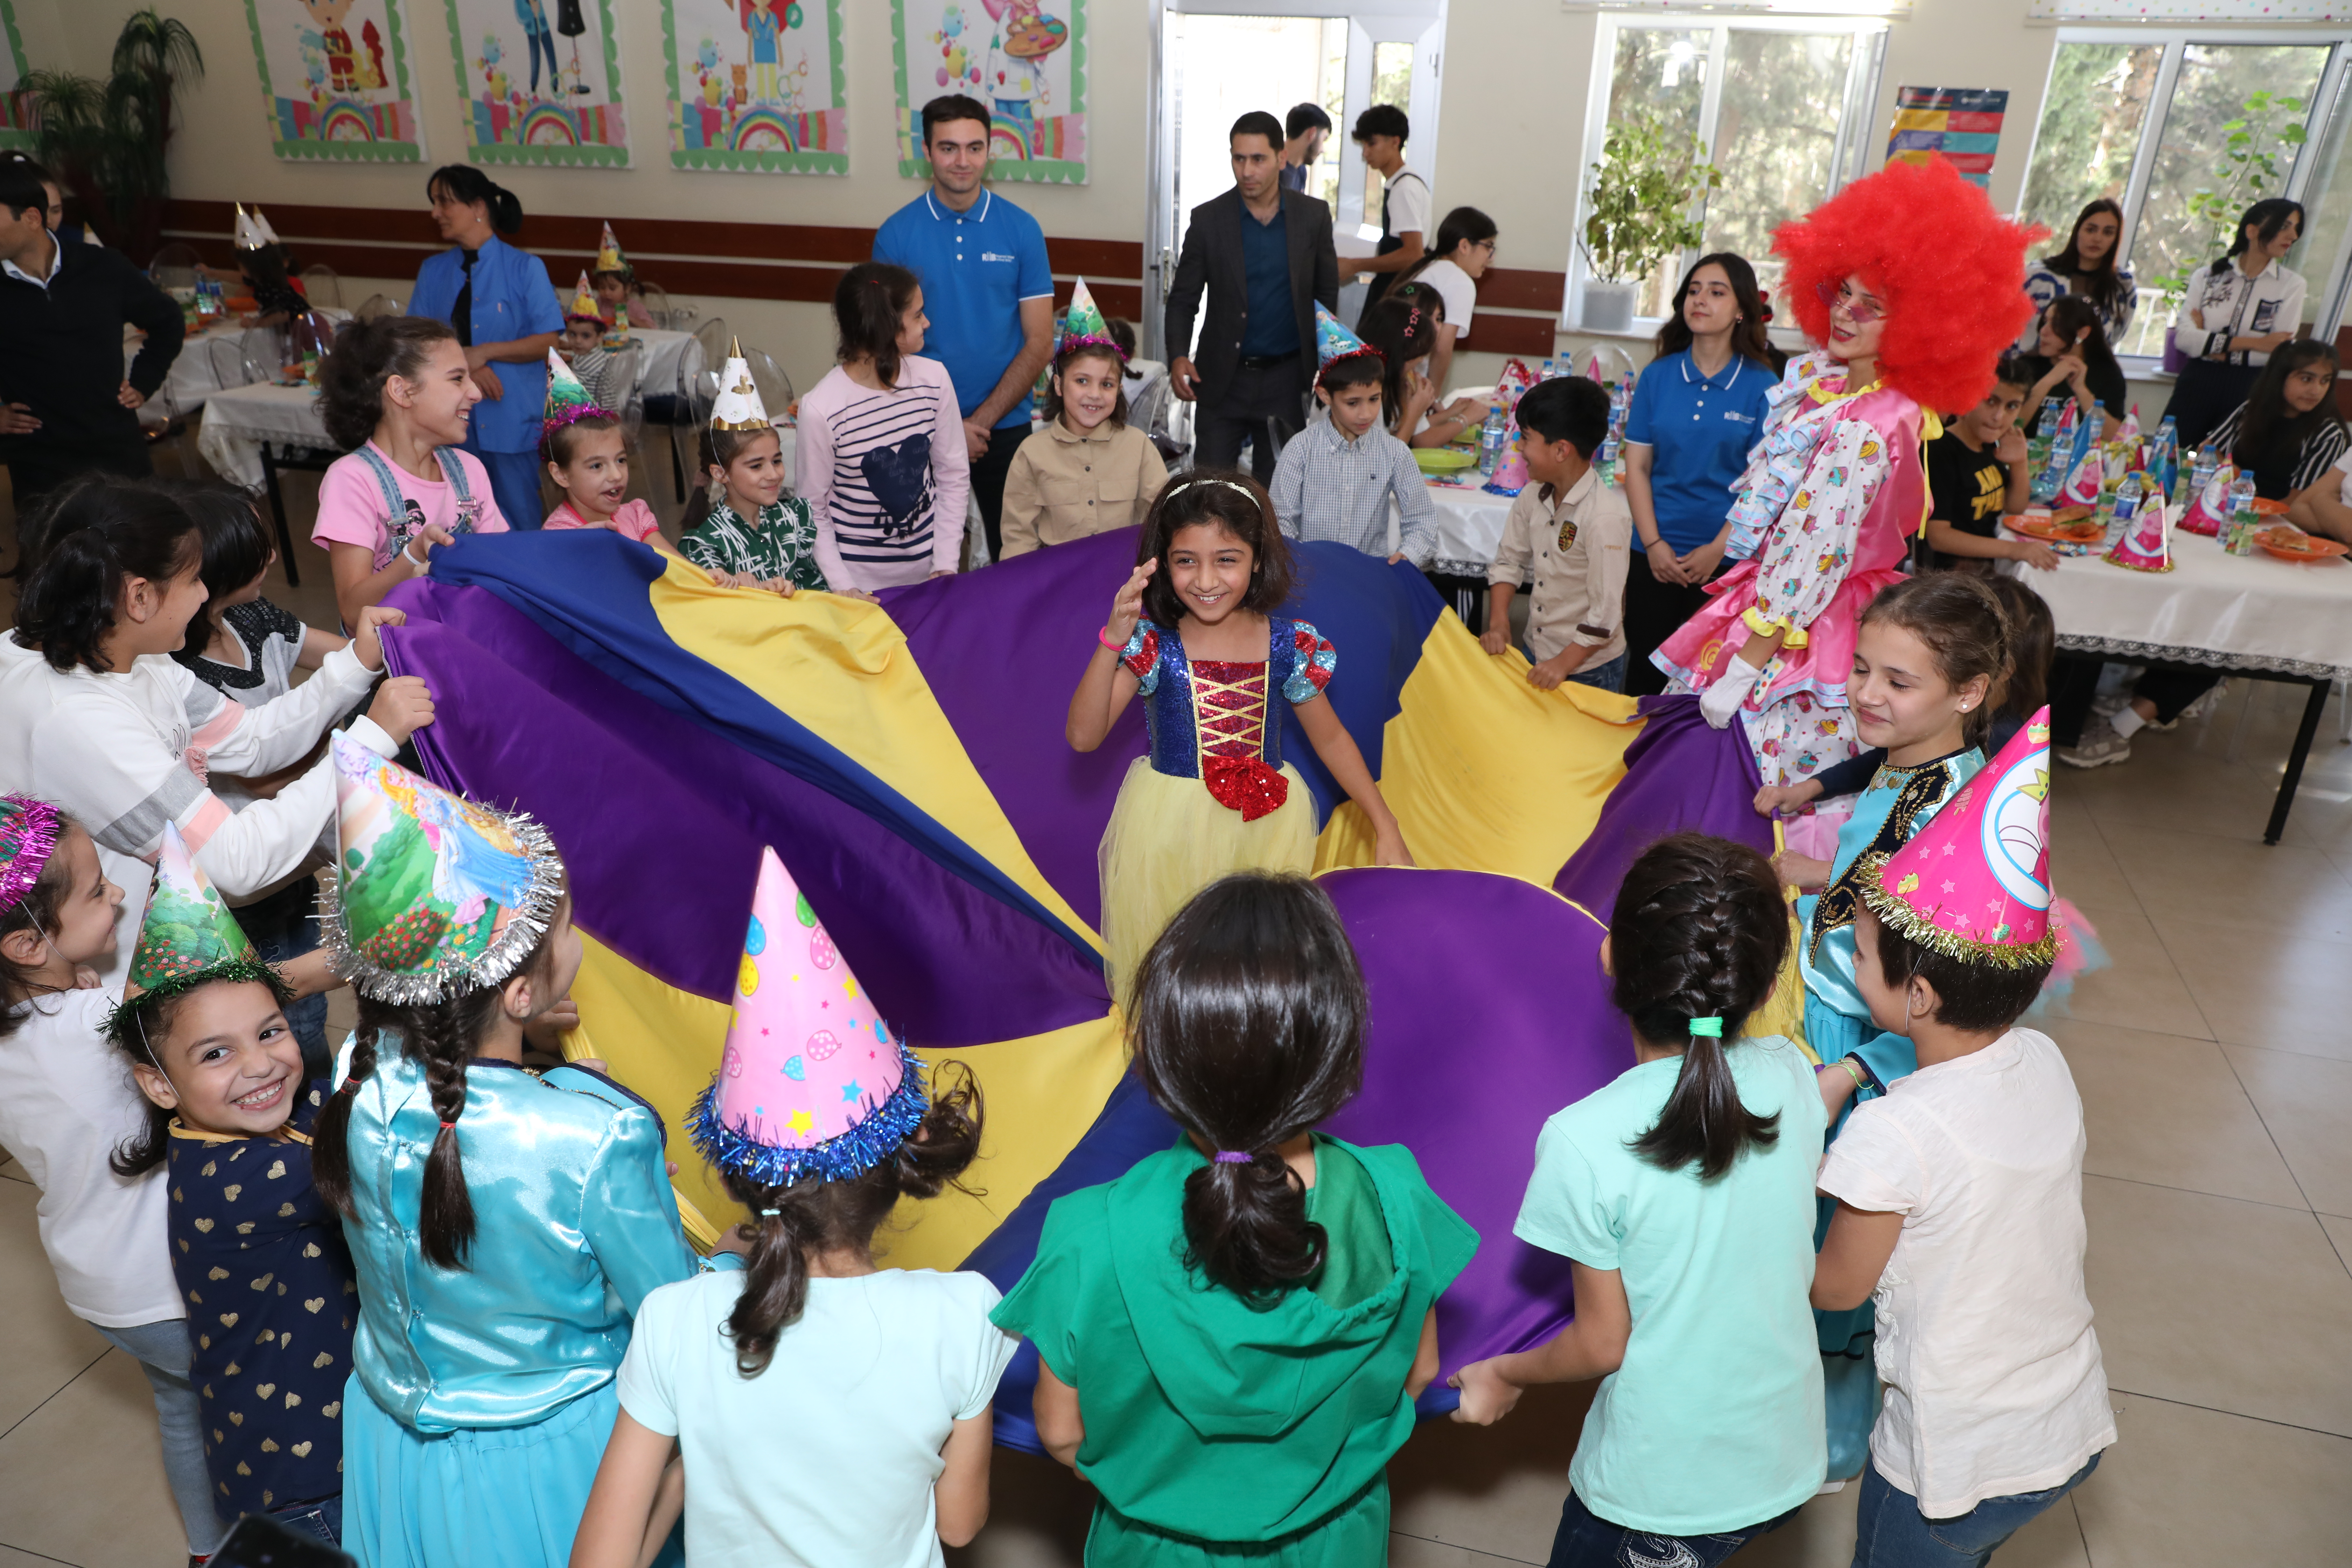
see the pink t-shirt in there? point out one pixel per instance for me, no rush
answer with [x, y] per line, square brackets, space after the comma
[354, 509]
[636, 519]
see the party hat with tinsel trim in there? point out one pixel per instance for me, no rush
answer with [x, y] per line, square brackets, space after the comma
[248, 231]
[813, 1082]
[567, 400]
[1334, 343]
[187, 937]
[608, 253]
[737, 404]
[1084, 324]
[2146, 543]
[436, 896]
[1974, 883]
[29, 831]
[583, 306]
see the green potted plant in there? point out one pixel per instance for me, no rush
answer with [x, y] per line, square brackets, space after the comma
[2252, 146]
[1639, 214]
[107, 139]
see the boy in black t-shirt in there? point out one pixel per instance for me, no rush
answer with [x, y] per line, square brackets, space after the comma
[1976, 472]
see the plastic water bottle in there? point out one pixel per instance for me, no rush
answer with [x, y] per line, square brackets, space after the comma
[2126, 504]
[1491, 437]
[2242, 517]
[2200, 473]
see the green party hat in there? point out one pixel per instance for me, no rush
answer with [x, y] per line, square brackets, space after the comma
[187, 937]
[567, 400]
[1083, 324]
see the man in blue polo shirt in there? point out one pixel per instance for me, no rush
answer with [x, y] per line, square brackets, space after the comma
[987, 288]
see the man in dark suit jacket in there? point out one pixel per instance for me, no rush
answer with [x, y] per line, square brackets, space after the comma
[1265, 255]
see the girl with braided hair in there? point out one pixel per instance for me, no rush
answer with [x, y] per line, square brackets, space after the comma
[1682, 1195]
[505, 1225]
[1910, 282]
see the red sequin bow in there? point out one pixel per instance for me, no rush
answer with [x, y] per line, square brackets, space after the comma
[1244, 783]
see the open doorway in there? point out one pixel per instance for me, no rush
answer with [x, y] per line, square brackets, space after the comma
[1218, 60]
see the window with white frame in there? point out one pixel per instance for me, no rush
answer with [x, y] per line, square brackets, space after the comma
[2148, 120]
[1780, 103]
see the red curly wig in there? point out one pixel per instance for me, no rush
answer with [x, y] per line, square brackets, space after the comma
[1950, 270]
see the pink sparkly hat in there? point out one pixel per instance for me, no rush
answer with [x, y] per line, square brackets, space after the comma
[1974, 883]
[813, 1082]
[29, 832]
[2145, 544]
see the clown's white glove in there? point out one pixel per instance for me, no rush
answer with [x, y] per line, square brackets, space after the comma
[1720, 701]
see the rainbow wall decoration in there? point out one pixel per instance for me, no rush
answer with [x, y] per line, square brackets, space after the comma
[756, 86]
[1963, 124]
[1026, 59]
[541, 81]
[335, 79]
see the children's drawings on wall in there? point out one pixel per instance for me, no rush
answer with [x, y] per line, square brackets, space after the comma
[540, 82]
[756, 86]
[335, 79]
[1025, 59]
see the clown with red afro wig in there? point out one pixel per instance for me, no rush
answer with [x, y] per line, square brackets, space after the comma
[1927, 281]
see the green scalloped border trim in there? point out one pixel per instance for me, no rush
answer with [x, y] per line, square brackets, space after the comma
[600, 156]
[16, 62]
[1034, 170]
[722, 160]
[341, 152]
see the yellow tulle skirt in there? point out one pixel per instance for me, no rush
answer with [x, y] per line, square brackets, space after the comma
[1169, 838]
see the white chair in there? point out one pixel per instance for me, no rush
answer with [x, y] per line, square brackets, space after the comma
[321, 286]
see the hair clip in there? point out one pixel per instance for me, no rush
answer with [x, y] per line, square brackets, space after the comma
[1235, 1157]
[770, 1213]
[446, 1126]
[1706, 1028]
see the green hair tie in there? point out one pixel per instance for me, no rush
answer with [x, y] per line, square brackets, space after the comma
[1712, 1029]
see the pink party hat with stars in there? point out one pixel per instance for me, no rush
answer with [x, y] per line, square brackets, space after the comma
[1974, 883]
[813, 1082]
[2145, 544]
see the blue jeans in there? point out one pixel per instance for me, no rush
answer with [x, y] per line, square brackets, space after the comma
[1891, 1531]
[1610, 677]
[323, 1519]
[514, 483]
[162, 1353]
[1588, 1541]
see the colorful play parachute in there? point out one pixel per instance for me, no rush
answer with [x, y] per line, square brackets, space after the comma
[908, 765]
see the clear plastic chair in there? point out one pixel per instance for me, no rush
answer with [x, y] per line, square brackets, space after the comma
[376, 305]
[700, 389]
[229, 362]
[321, 286]
[776, 387]
[656, 303]
[264, 349]
[175, 266]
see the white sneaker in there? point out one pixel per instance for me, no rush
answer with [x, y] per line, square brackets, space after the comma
[2100, 746]
[2107, 704]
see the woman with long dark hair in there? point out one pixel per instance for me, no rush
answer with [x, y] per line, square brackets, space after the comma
[2071, 359]
[2235, 313]
[505, 315]
[1464, 249]
[2092, 267]
[1696, 410]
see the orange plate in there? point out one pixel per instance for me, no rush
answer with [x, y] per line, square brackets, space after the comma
[2286, 544]
[2036, 525]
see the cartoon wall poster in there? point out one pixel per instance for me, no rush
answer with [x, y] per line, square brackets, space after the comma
[541, 81]
[16, 128]
[335, 79]
[1026, 59]
[757, 86]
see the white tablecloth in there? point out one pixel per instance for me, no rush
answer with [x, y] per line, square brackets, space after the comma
[2248, 612]
[1469, 525]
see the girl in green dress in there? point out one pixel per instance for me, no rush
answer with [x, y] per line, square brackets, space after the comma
[1232, 1335]
[741, 526]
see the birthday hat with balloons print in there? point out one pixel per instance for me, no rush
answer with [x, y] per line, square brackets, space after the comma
[737, 404]
[813, 1082]
[567, 399]
[437, 897]
[1974, 883]
[1083, 324]
[187, 937]
[2145, 544]
[583, 306]
[609, 257]
[1334, 343]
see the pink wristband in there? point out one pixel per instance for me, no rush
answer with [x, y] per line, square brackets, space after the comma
[1102, 635]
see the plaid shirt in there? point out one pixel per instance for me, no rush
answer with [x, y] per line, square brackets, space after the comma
[1328, 486]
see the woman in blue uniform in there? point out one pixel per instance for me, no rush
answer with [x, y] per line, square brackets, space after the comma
[505, 315]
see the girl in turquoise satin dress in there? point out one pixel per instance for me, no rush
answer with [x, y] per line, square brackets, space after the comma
[1928, 654]
[505, 1223]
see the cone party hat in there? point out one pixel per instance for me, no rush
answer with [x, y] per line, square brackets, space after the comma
[436, 896]
[1974, 883]
[269, 235]
[583, 306]
[1084, 324]
[813, 1082]
[2082, 484]
[248, 232]
[29, 831]
[2209, 510]
[567, 399]
[608, 253]
[738, 406]
[1334, 343]
[187, 937]
[2146, 543]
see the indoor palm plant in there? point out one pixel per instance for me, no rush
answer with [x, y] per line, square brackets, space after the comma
[107, 139]
[1639, 213]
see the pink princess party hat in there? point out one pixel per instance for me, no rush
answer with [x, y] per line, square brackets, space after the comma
[2209, 510]
[2145, 544]
[813, 1082]
[1974, 883]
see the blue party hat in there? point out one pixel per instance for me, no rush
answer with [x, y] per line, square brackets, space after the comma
[1334, 343]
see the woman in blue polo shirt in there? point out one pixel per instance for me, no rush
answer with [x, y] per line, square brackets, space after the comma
[507, 317]
[1696, 410]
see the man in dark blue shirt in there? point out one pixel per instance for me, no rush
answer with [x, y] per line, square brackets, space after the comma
[1264, 255]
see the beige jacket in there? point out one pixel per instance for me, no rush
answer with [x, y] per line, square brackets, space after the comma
[1062, 487]
[1577, 546]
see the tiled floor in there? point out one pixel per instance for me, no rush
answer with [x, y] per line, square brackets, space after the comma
[2215, 1063]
